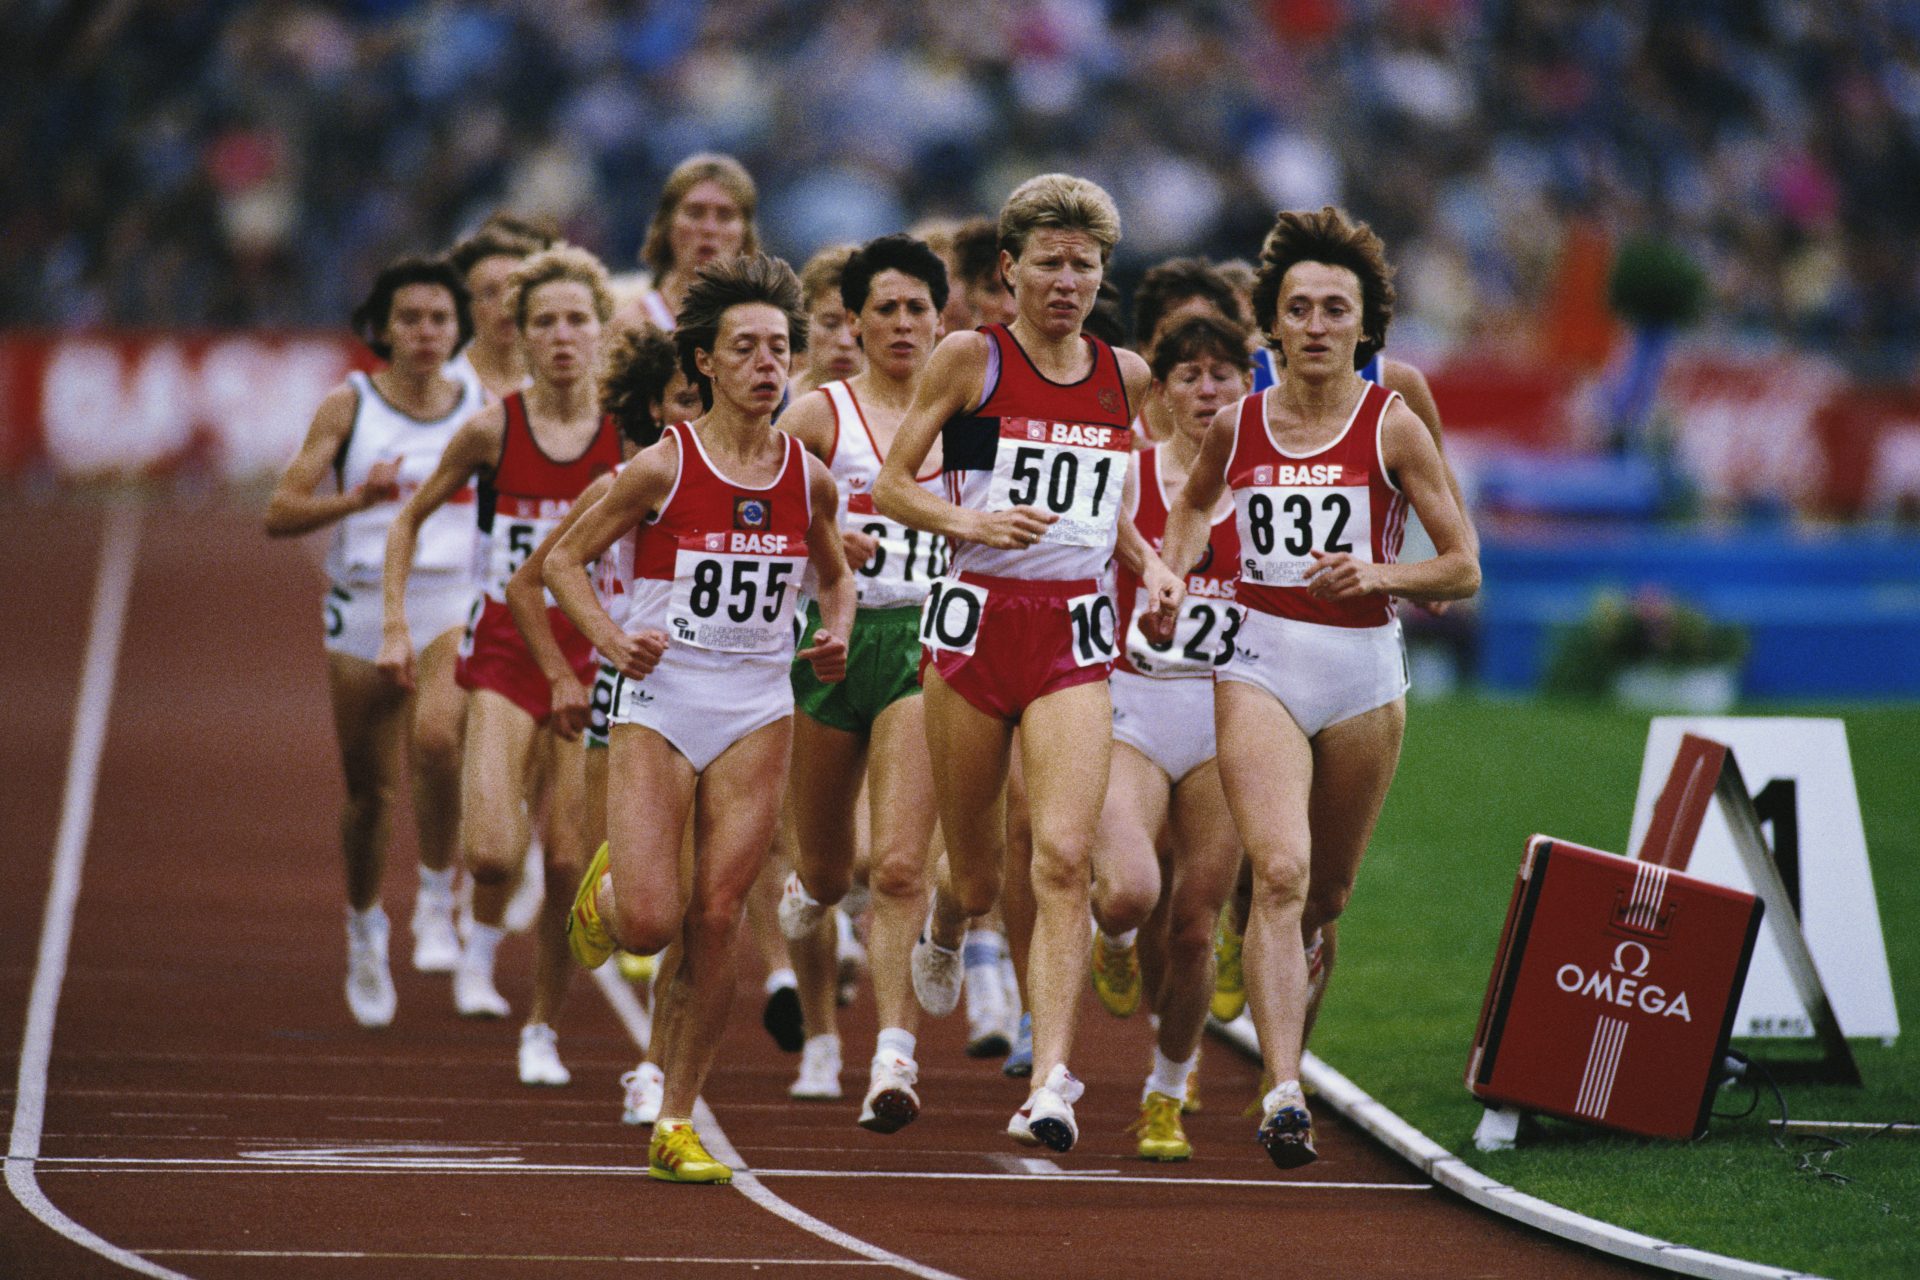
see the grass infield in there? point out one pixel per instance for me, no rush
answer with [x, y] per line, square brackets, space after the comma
[1477, 778]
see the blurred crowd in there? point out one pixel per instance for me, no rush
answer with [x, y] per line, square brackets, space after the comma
[228, 163]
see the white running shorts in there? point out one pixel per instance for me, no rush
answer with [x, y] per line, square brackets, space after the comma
[702, 704]
[436, 603]
[1170, 722]
[1321, 674]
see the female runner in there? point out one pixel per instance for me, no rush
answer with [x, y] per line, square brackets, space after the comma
[730, 512]
[1311, 706]
[705, 215]
[380, 436]
[1032, 419]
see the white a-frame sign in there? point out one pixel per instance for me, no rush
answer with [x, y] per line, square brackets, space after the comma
[1794, 779]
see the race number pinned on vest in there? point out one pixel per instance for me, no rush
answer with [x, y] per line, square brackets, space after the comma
[1282, 525]
[1203, 637]
[1072, 470]
[735, 592]
[904, 559]
[950, 618]
[1094, 622]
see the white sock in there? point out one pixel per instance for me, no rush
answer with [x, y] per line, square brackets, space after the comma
[1169, 1077]
[361, 921]
[482, 941]
[829, 1036]
[781, 978]
[897, 1039]
[983, 948]
[1279, 1090]
[1119, 941]
[436, 886]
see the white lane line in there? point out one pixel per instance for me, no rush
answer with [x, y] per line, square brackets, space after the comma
[515, 1257]
[625, 1004]
[120, 546]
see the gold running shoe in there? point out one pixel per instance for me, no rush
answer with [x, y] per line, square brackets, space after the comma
[1116, 976]
[675, 1155]
[1229, 982]
[1159, 1131]
[587, 935]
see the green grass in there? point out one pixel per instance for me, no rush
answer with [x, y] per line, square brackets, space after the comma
[1476, 779]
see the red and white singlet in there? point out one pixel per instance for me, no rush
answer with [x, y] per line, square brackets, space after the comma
[908, 559]
[529, 493]
[1287, 506]
[1209, 619]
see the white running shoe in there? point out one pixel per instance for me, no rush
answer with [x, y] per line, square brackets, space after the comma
[799, 914]
[436, 943]
[986, 1012]
[370, 996]
[540, 1057]
[891, 1104]
[523, 907]
[1046, 1119]
[850, 955]
[644, 1086]
[819, 1076]
[474, 995]
[1286, 1126]
[938, 975]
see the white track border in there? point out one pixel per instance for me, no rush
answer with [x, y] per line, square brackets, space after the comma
[1461, 1178]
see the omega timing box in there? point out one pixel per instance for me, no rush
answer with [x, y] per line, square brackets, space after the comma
[1613, 992]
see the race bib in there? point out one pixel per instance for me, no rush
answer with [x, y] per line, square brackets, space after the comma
[950, 617]
[902, 566]
[1281, 527]
[735, 592]
[1069, 469]
[1203, 638]
[1094, 621]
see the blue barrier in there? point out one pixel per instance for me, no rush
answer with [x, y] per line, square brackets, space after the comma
[1829, 615]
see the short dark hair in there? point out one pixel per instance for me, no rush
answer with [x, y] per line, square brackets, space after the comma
[370, 317]
[726, 283]
[641, 365]
[495, 238]
[976, 250]
[1168, 284]
[1201, 338]
[898, 252]
[1328, 236]
[1107, 321]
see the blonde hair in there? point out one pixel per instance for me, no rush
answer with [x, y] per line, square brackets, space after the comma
[821, 275]
[562, 262]
[1064, 202]
[707, 166]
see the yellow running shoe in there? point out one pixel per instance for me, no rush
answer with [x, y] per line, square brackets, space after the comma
[675, 1155]
[587, 936]
[1158, 1128]
[1116, 976]
[637, 969]
[1229, 982]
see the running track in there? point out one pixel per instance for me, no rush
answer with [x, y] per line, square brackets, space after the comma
[191, 1097]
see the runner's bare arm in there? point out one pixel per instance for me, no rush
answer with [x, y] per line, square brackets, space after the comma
[833, 581]
[295, 508]
[1398, 375]
[811, 421]
[1136, 376]
[474, 447]
[1408, 451]
[1190, 514]
[527, 601]
[636, 493]
[953, 383]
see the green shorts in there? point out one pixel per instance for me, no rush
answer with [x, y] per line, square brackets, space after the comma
[883, 666]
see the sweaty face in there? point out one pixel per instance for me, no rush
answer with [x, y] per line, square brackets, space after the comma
[422, 326]
[898, 324]
[708, 223]
[1055, 279]
[562, 330]
[750, 358]
[487, 282]
[1318, 318]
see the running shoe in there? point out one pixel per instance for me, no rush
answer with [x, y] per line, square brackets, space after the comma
[523, 905]
[783, 1018]
[850, 955]
[891, 1104]
[436, 943]
[1019, 1063]
[987, 1018]
[1286, 1127]
[938, 976]
[635, 968]
[1191, 1103]
[587, 936]
[1046, 1118]
[370, 995]
[642, 1089]
[819, 1069]
[474, 995]
[799, 914]
[1316, 957]
[1229, 981]
[1159, 1131]
[676, 1155]
[1116, 976]
[540, 1057]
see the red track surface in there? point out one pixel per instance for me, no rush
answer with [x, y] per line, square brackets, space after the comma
[212, 1108]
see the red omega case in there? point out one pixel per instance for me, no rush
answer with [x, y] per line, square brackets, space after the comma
[1613, 992]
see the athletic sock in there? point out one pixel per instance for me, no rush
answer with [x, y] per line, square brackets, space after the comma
[983, 948]
[781, 978]
[436, 886]
[1119, 941]
[1169, 1077]
[897, 1039]
[483, 940]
